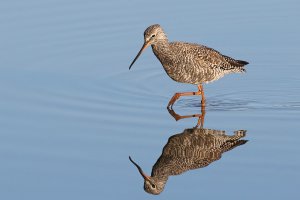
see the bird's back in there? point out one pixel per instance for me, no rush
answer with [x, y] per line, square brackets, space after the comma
[194, 63]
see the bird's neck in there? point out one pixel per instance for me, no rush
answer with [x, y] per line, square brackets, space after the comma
[161, 44]
[161, 49]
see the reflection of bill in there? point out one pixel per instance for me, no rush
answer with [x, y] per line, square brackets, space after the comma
[193, 148]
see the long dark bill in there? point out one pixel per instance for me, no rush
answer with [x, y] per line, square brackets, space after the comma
[145, 45]
[140, 170]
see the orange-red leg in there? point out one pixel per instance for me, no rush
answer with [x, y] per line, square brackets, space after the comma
[203, 100]
[200, 122]
[201, 116]
[178, 95]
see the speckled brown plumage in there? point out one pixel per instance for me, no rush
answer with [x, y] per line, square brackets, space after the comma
[199, 65]
[188, 62]
[192, 149]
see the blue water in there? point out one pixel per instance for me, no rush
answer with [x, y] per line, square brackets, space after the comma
[72, 112]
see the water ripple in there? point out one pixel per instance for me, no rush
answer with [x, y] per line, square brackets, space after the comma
[227, 103]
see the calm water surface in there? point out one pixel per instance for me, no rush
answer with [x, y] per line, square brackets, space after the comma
[72, 113]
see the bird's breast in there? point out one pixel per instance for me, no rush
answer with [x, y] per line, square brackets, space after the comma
[173, 66]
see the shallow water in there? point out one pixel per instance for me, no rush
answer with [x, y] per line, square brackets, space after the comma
[72, 113]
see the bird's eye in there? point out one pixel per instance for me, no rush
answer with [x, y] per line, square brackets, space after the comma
[152, 185]
[153, 35]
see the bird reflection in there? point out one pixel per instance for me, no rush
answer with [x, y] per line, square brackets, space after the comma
[192, 149]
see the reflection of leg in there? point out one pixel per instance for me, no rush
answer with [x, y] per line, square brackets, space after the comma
[180, 94]
[200, 122]
[179, 117]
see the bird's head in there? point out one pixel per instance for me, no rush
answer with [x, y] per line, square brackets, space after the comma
[152, 35]
[152, 185]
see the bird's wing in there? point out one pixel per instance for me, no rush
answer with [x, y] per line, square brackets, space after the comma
[216, 59]
[209, 57]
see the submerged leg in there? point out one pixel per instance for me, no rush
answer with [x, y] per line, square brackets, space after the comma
[178, 95]
[203, 100]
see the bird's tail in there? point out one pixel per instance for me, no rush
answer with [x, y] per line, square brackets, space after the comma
[239, 65]
[235, 65]
[242, 62]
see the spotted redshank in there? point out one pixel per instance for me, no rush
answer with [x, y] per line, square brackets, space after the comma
[188, 62]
